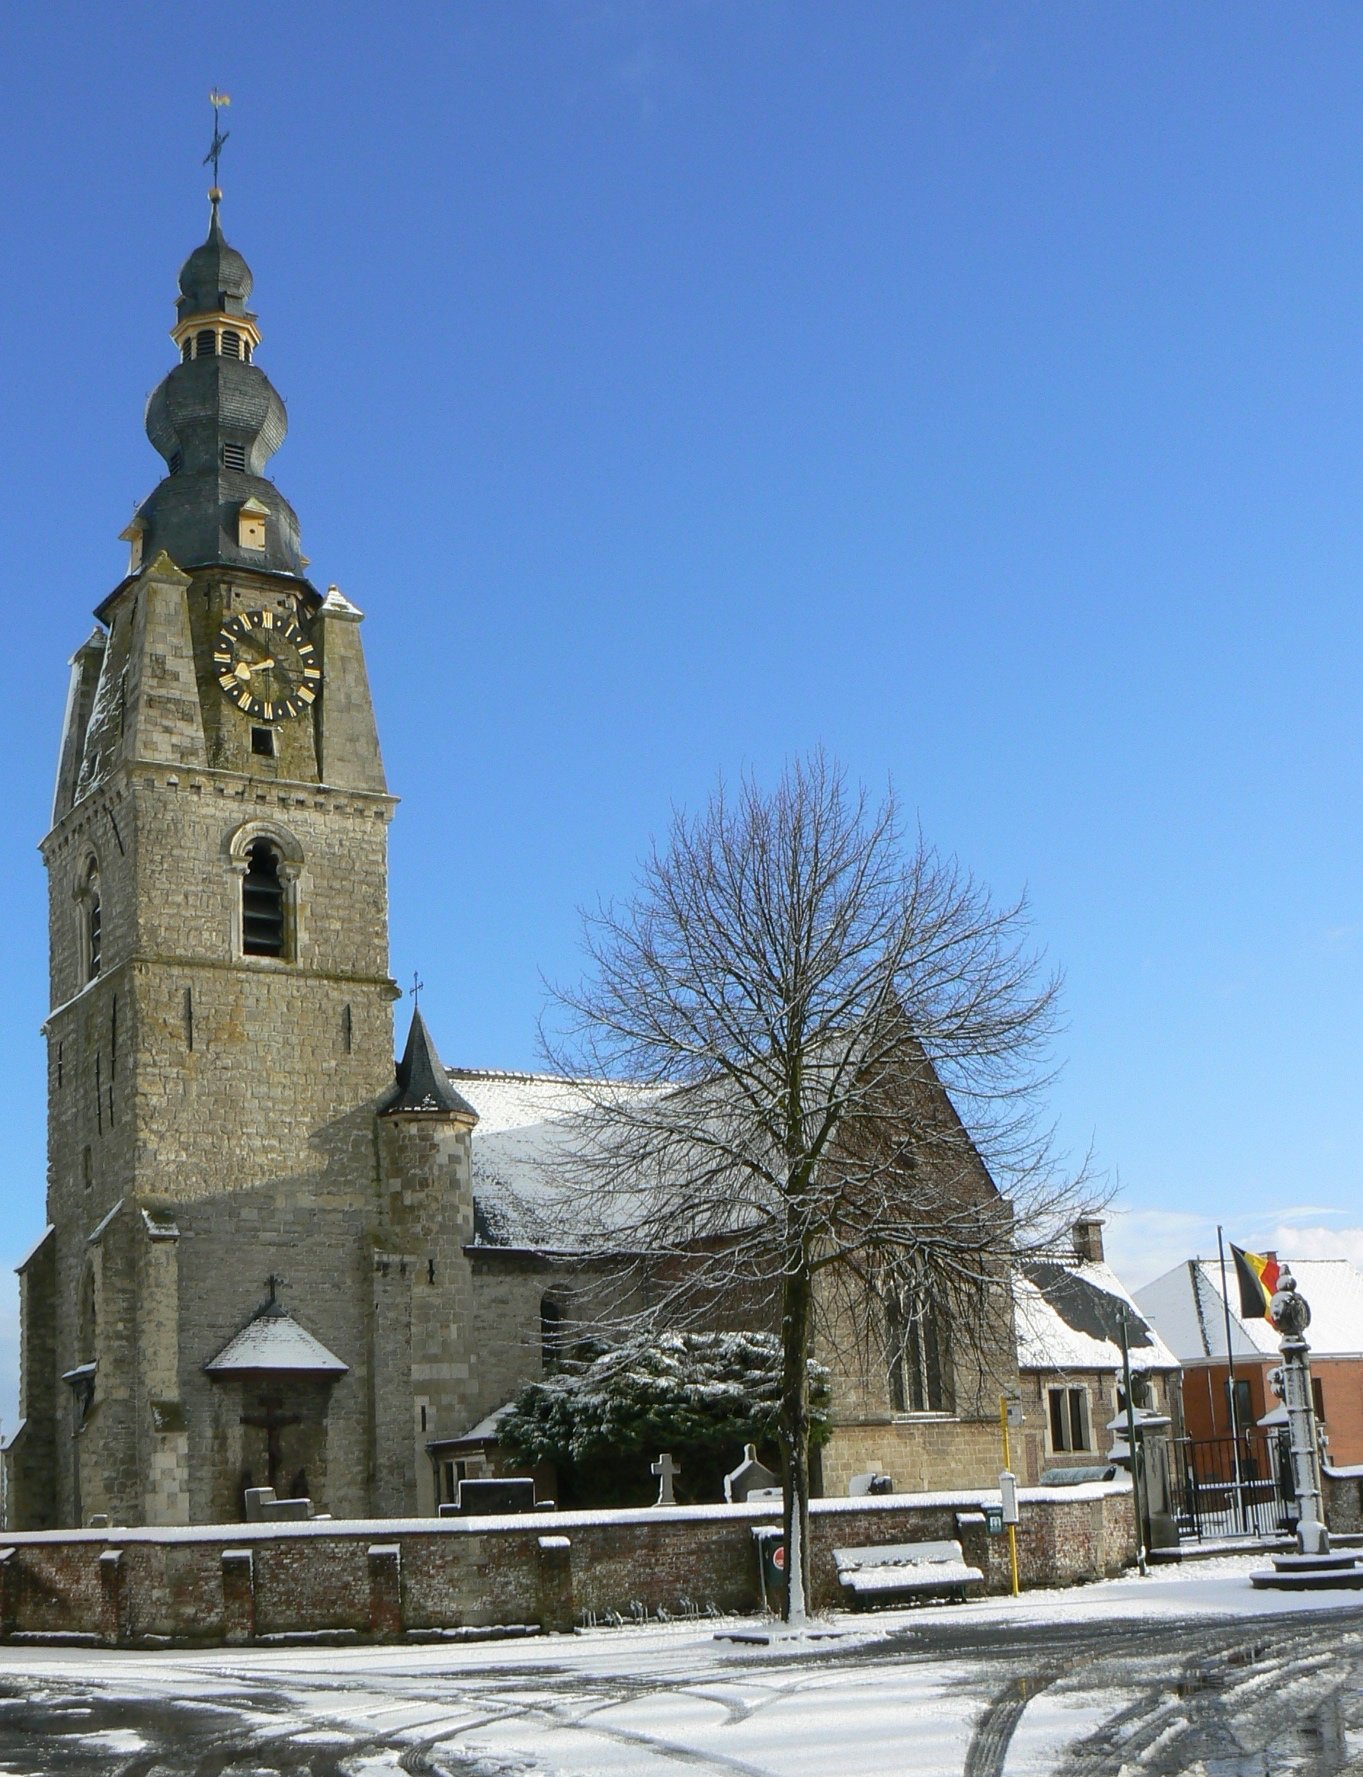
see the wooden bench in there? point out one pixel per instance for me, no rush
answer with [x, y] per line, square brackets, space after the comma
[902, 1570]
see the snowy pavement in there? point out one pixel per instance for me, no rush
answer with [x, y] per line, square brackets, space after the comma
[1187, 1671]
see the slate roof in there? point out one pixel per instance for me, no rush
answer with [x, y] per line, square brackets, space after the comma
[422, 1082]
[521, 1128]
[1186, 1305]
[1068, 1317]
[273, 1340]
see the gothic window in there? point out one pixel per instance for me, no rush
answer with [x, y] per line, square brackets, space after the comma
[90, 923]
[916, 1342]
[262, 902]
[551, 1332]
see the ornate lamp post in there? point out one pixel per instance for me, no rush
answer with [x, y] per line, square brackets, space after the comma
[1291, 1315]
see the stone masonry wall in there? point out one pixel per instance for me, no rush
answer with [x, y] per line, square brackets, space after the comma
[386, 1577]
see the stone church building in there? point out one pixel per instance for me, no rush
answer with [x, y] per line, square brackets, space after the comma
[272, 1257]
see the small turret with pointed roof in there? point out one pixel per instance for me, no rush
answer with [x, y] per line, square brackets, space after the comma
[422, 1083]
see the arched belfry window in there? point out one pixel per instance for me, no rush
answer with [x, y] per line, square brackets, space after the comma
[206, 343]
[90, 922]
[262, 902]
[231, 343]
[267, 860]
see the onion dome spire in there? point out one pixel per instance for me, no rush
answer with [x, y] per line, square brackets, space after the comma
[217, 421]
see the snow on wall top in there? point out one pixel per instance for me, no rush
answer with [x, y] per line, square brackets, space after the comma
[1187, 1307]
[1068, 1318]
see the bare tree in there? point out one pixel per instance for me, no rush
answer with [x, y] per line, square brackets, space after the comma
[773, 1038]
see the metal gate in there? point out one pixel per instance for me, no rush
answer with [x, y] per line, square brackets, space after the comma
[1229, 1487]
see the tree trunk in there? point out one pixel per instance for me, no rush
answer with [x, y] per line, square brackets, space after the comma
[796, 1305]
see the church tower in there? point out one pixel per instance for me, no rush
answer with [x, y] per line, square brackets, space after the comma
[220, 1042]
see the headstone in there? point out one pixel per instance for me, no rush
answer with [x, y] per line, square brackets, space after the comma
[490, 1497]
[274, 1511]
[869, 1483]
[666, 1470]
[256, 1500]
[749, 1478]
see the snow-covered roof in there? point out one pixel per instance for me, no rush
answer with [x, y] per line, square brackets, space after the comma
[523, 1129]
[1068, 1317]
[273, 1340]
[1187, 1307]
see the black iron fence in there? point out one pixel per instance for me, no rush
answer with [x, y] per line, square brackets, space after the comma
[1228, 1487]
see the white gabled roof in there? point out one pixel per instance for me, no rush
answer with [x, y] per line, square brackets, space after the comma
[1188, 1308]
[1069, 1318]
[523, 1131]
[273, 1340]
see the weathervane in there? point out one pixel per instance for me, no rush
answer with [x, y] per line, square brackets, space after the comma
[217, 100]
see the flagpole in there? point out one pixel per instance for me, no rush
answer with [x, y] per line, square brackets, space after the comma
[1230, 1385]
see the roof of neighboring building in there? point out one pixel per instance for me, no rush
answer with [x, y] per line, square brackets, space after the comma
[1068, 1317]
[1187, 1306]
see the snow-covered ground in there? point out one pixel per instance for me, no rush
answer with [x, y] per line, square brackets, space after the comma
[1187, 1670]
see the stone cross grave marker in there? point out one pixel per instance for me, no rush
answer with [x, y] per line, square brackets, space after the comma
[665, 1469]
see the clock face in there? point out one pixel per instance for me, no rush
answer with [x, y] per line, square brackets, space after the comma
[266, 665]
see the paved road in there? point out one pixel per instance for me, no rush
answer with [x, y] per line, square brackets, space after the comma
[1255, 1697]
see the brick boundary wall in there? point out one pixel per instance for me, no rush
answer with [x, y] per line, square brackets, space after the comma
[383, 1579]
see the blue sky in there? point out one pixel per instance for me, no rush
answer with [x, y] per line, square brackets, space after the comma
[972, 389]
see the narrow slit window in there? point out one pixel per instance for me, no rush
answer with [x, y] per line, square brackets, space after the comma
[262, 902]
[347, 1029]
[189, 1018]
[91, 923]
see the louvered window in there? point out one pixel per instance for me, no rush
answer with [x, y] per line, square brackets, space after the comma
[206, 343]
[176, 463]
[186, 351]
[262, 903]
[234, 456]
[94, 931]
[231, 343]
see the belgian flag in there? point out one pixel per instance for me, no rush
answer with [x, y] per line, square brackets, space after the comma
[1257, 1275]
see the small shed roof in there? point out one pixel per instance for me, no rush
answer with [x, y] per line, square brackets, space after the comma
[273, 1340]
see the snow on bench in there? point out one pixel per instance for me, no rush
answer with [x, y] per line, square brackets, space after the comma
[884, 1569]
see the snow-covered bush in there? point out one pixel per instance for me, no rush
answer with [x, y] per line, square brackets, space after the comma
[700, 1395]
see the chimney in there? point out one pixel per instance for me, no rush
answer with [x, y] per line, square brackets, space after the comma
[1088, 1238]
